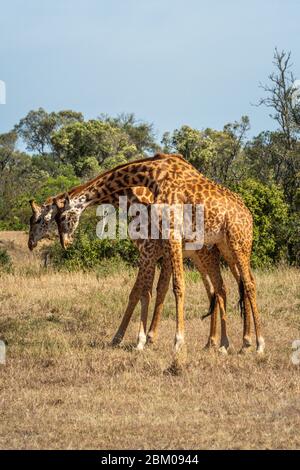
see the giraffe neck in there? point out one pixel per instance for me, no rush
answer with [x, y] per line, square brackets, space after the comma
[139, 195]
[143, 174]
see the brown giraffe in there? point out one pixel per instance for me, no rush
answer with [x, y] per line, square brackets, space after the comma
[207, 261]
[227, 222]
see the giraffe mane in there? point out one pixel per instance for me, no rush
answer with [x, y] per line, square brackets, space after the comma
[77, 189]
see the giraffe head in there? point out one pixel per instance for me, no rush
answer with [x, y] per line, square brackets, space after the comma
[40, 222]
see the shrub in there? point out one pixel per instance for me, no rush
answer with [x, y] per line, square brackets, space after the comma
[270, 217]
[88, 252]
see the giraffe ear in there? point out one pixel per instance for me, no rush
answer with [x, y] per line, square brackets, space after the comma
[63, 202]
[36, 210]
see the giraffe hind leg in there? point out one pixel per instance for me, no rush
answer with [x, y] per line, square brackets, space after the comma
[231, 257]
[208, 263]
[250, 304]
[211, 308]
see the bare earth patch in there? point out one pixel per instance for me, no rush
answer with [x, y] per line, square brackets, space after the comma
[63, 386]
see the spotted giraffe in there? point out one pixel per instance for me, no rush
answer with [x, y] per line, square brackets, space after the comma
[207, 261]
[227, 223]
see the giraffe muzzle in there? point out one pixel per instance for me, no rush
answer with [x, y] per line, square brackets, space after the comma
[31, 245]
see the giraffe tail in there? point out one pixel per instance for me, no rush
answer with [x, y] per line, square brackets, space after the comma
[241, 302]
[211, 307]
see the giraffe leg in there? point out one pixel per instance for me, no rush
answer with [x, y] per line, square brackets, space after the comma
[249, 289]
[161, 292]
[141, 290]
[220, 301]
[245, 306]
[175, 250]
[212, 305]
[213, 312]
[145, 300]
[260, 342]
[208, 263]
[134, 297]
[224, 345]
[244, 303]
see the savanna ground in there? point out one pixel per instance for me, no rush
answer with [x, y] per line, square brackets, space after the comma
[63, 386]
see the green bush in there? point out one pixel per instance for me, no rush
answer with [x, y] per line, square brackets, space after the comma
[271, 220]
[18, 217]
[88, 252]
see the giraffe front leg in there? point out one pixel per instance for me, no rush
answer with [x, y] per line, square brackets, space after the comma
[134, 297]
[145, 300]
[175, 249]
[161, 292]
[224, 345]
[142, 339]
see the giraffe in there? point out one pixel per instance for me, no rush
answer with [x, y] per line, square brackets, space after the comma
[227, 224]
[206, 260]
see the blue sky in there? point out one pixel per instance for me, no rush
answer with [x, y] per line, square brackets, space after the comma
[171, 62]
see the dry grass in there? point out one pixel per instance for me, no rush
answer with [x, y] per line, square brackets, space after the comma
[64, 387]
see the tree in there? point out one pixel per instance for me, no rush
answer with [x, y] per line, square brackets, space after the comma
[141, 134]
[216, 154]
[15, 179]
[92, 143]
[281, 148]
[7, 147]
[269, 161]
[280, 97]
[37, 127]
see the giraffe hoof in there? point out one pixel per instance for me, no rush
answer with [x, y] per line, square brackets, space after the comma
[151, 338]
[174, 369]
[210, 345]
[260, 346]
[141, 341]
[180, 356]
[246, 349]
[260, 351]
[223, 350]
[116, 341]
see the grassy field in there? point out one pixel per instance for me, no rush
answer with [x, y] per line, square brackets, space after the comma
[63, 386]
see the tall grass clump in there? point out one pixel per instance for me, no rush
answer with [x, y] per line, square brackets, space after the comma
[5, 261]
